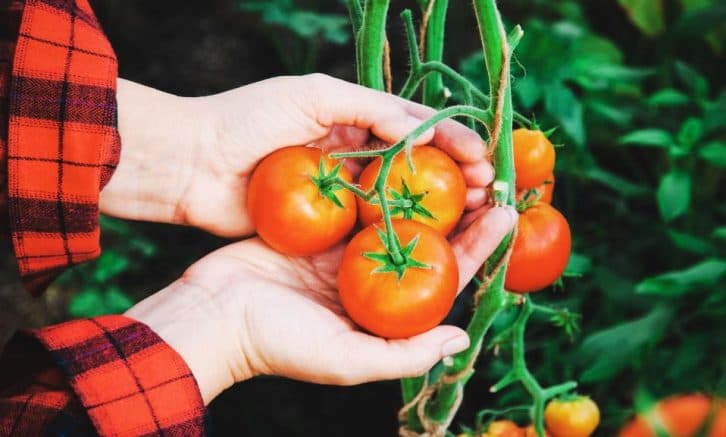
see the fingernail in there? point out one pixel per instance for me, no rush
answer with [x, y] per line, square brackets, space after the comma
[455, 345]
[513, 214]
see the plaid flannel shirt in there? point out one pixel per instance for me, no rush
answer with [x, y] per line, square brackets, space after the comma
[58, 147]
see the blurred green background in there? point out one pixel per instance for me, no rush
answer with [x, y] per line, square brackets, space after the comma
[637, 91]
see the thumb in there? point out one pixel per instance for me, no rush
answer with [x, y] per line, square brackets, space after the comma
[336, 101]
[367, 358]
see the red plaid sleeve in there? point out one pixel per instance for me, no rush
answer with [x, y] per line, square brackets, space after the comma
[63, 144]
[121, 378]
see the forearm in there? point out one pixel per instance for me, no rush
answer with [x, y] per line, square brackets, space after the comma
[158, 133]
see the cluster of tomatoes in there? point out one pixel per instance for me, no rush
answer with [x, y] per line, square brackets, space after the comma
[687, 415]
[300, 206]
[568, 417]
[542, 246]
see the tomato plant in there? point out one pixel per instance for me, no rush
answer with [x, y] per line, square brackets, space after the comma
[296, 202]
[541, 249]
[534, 157]
[575, 417]
[398, 300]
[435, 190]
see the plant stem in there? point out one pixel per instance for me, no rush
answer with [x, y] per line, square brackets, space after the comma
[372, 39]
[434, 85]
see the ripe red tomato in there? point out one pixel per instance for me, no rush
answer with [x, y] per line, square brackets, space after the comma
[681, 416]
[534, 157]
[545, 190]
[503, 428]
[572, 418]
[541, 249]
[391, 306]
[437, 189]
[290, 211]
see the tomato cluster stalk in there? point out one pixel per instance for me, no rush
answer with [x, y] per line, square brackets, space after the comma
[431, 400]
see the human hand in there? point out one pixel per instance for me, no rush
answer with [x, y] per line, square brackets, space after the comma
[246, 310]
[188, 160]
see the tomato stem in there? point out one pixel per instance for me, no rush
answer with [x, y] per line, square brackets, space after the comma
[372, 37]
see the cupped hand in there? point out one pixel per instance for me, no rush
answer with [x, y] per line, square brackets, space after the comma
[188, 160]
[246, 310]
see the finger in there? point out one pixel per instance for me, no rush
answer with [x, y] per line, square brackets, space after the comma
[478, 174]
[476, 198]
[457, 140]
[477, 242]
[339, 102]
[365, 358]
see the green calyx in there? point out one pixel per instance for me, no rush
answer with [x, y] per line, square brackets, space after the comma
[415, 208]
[388, 264]
[327, 183]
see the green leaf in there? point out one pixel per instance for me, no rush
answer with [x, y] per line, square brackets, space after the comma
[564, 106]
[610, 350]
[677, 283]
[109, 265]
[720, 232]
[668, 97]
[690, 243]
[615, 113]
[577, 266]
[690, 133]
[88, 303]
[692, 79]
[714, 153]
[116, 301]
[674, 194]
[648, 137]
[647, 15]
[528, 90]
[615, 182]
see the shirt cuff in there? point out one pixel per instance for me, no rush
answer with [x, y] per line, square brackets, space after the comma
[129, 381]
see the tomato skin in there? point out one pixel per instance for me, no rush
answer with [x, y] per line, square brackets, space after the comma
[436, 174]
[387, 307]
[286, 206]
[681, 416]
[541, 249]
[531, 432]
[534, 157]
[546, 190]
[572, 418]
[503, 428]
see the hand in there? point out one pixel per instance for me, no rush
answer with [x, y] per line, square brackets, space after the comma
[246, 310]
[188, 160]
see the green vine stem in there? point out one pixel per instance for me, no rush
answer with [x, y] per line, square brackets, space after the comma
[433, 39]
[456, 372]
[371, 39]
[520, 373]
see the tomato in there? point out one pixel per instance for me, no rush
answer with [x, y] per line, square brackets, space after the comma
[437, 189]
[503, 428]
[572, 418]
[391, 306]
[718, 425]
[545, 190]
[681, 416]
[290, 211]
[541, 249]
[531, 432]
[534, 157]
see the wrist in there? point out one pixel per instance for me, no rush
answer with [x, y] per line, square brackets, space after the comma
[160, 143]
[200, 331]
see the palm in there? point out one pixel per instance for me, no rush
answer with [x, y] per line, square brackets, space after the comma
[293, 307]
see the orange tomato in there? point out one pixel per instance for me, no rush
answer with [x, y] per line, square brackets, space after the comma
[681, 416]
[437, 189]
[572, 418]
[291, 212]
[531, 432]
[398, 306]
[534, 157]
[541, 249]
[545, 190]
[503, 428]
